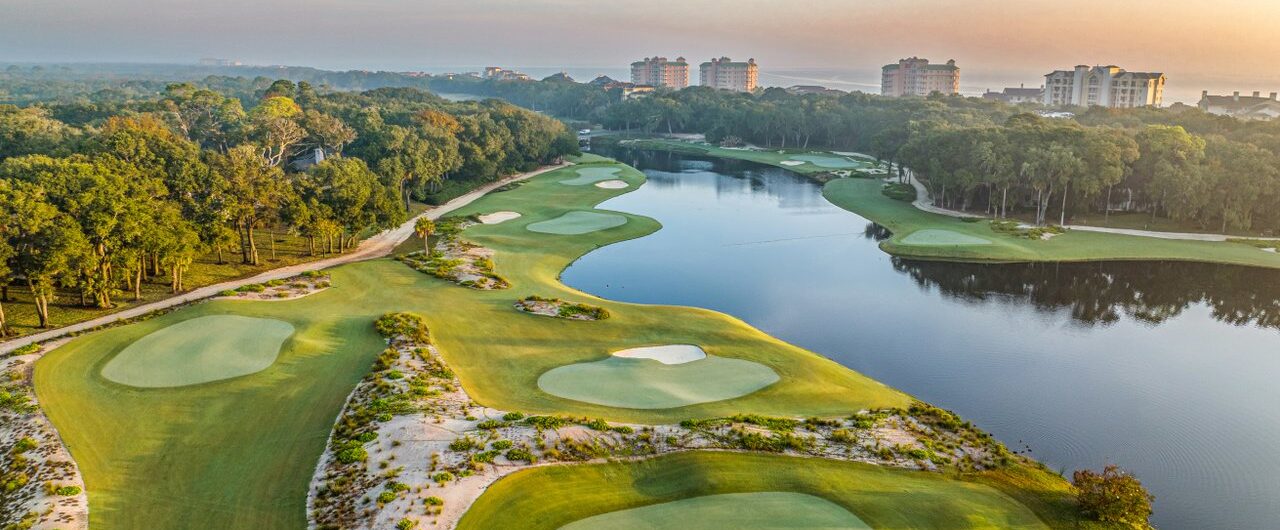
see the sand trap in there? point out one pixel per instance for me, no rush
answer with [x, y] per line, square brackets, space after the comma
[792, 162]
[1271, 250]
[498, 217]
[578, 222]
[644, 383]
[669, 354]
[936, 237]
[592, 175]
[831, 162]
[731, 511]
[612, 184]
[200, 350]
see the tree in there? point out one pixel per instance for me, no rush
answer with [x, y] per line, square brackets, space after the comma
[31, 131]
[274, 126]
[424, 227]
[253, 195]
[45, 242]
[1113, 496]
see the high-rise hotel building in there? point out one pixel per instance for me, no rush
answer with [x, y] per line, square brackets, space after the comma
[725, 74]
[659, 72]
[916, 77]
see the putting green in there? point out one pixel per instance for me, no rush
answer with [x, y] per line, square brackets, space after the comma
[592, 175]
[936, 237]
[729, 511]
[650, 384]
[578, 222]
[831, 162]
[200, 350]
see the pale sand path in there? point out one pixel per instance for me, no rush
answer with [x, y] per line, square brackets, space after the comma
[498, 217]
[374, 247]
[925, 203]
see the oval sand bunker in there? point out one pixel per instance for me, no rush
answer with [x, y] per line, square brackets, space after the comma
[670, 354]
[200, 350]
[729, 511]
[660, 377]
[498, 217]
[612, 184]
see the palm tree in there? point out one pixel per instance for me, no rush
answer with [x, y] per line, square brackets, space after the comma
[424, 228]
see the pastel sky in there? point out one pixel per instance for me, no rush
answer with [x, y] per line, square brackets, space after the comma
[1225, 43]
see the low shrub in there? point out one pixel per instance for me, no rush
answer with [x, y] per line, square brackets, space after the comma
[442, 477]
[251, 288]
[67, 491]
[386, 496]
[433, 501]
[501, 445]
[406, 524]
[490, 425]
[228, 292]
[513, 416]
[899, 191]
[521, 455]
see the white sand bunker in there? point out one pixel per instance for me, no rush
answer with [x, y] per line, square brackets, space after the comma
[669, 354]
[612, 184]
[792, 162]
[498, 217]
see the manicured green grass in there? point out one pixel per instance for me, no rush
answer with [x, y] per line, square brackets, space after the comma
[554, 496]
[730, 511]
[649, 384]
[592, 175]
[200, 350]
[239, 453]
[578, 222]
[935, 237]
[864, 197]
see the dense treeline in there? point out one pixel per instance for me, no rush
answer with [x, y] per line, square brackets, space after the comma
[103, 204]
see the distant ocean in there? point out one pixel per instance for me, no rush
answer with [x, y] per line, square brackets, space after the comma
[1183, 88]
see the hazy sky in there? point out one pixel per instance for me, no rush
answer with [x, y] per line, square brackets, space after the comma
[1226, 43]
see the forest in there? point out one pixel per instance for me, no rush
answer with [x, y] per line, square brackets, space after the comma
[101, 195]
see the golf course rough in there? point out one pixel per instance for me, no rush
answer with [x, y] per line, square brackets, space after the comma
[935, 237]
[592, 175]
[578, 222]
[640, 383]
[729, 511]
[200, 350]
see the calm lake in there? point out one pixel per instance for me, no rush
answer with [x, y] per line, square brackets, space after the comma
[1168, 369]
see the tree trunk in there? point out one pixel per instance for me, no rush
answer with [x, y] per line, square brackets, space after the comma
[42, 307]
[1004, 196]
[1106, 217]
[137, 282]
[273, 245]
[1062, 216]
[218, 248]
[176, 283]
[253, 247]
[4, 328]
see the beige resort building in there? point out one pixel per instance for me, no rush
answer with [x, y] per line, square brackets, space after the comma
[1103, 86]
[725, 74]
[659, 72]
[916, 77]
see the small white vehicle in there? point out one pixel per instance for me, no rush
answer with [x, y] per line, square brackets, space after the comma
[584, 131]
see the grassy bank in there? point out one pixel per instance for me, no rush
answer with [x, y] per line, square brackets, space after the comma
[863, 196]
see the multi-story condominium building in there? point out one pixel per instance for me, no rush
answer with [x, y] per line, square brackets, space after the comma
[916, 77]
[1103, 86]
[659, 72]
[725, 74]
[1243, 107]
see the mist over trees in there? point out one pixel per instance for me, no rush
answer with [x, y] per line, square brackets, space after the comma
[129, 192]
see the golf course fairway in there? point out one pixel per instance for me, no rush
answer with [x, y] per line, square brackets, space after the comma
[239, 453]
[592, 175]
[200, 350]
[729, 511]
[551, 497]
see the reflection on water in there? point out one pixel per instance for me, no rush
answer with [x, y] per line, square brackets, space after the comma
[1103, 293]
[1166, 368]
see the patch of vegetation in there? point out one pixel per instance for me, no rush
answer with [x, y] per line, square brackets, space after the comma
[1113, 496]
[899, 191]
[562, 309]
